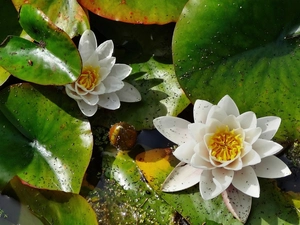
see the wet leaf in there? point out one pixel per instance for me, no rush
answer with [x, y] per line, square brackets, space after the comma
[156, 165]
[42, 137]
[243, 49]
[4, 75]
[125, 197]
[52, 59]
[161, 95]
[136, 11]
[273, 206]
[54, 207]
[68, 15]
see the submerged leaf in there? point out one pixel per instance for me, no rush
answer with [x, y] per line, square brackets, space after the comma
[54, 207]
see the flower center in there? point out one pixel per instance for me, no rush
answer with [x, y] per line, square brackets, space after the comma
[225, 145]
[89, 77]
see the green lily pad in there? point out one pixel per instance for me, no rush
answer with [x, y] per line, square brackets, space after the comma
[4, 75]
[244, 49]
[52, 59]
[136, 11]
[43, 136]
[54, 207]
[125, 197]
[161, 95]
[156, 164]
[68, 15]
[272, 207]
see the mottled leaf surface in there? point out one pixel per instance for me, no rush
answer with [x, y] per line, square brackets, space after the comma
[136, 11]
[161, 96]
[68, 15]
[44, 139]
[52, 59]
[244, 49]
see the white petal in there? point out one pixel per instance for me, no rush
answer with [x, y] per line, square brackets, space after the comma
[107, 63]
[87, 45]
[246, 181]
[86, 109]
[173, 128]
[201, 161]
[112, 84]
[217, 113]
[109, 101]
[92, 61]
[235, 165]
[103, 73]
[105, 50]
[120, 71]
[80, 90]
[90, 99]
[231, 122]
[197, 131]
[269, 126]
[251, 158]
[252, 135]
[185, 151]
[214, 182]
[229, 106]
[72, 94]
[238, 203]
[182, 177]
[129, 93]
[201, 109]
[99, 89]
[271, 167]
[213, 125]
[202, 150]
[266, 148]
[246, 148]
[247, 120]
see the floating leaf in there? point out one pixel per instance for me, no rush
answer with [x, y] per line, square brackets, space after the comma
[43, 136]
[54, 207]
[53, 59]
[68, 15]
[274, 206]
[128, 194]
[161, 95]
[156, 165]
[4, 75]
[242, 48]
[136, 11]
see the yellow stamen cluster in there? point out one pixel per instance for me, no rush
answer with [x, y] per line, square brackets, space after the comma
[225, 145]
[89, 77]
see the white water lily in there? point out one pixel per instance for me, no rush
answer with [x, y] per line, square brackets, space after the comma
[222, 147]
[101, 81]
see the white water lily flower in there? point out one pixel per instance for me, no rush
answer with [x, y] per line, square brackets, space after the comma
[222, 147]
[100, 83]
